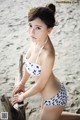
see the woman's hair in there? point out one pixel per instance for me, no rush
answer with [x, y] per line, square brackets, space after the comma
[46, 14]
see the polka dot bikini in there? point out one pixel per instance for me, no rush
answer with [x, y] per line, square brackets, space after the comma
[34, 68]
[59, 99]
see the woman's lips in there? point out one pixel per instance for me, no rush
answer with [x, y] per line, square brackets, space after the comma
[34, 37]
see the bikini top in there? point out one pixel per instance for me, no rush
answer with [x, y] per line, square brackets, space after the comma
[34, 68]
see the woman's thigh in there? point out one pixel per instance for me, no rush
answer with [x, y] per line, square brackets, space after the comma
[51, 112]
[53, 107]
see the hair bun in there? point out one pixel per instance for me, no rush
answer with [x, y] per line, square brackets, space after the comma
[51, 7]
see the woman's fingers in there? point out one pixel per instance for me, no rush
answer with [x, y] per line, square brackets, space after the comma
[18, 88]
[17, 98]
[16, 95]
[15, 89]
[14, 100]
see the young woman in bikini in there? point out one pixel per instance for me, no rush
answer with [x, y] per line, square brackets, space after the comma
[39, 64]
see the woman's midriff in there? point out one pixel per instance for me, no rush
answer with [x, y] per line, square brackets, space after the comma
[51, 88]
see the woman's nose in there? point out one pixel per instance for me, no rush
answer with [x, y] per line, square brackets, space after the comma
[32, 31]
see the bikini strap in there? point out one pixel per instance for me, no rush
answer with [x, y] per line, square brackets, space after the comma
[41, 50]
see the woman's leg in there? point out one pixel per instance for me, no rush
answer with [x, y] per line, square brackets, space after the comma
[55, 113]
[51, 112]
[53, 107]
[69, 116]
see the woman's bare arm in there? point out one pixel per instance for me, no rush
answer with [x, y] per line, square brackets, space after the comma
[45, 74]
[21, 85]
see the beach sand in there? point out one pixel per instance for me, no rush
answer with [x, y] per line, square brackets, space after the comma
[14, 41]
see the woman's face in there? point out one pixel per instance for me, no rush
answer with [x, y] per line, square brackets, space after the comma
[38, 30]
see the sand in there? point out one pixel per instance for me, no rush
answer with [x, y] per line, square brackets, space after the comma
[14, 41]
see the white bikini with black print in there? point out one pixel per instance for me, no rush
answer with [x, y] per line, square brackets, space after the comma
[59, 99]
[34, 68]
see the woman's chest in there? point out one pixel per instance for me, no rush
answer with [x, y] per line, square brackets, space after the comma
[35, 56]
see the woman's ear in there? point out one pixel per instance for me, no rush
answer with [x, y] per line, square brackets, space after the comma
[49, 30]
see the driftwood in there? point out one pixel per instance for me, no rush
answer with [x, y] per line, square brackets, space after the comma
[20, 67]
[13, 113]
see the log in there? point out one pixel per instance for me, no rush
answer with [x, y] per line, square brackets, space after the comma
[20, 67]
[13, 113]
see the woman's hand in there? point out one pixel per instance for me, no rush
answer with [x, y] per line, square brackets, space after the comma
[17, 98]
[18, 88]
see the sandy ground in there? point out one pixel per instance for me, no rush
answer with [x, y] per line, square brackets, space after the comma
[14, 40]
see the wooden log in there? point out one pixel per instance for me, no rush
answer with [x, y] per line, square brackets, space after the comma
[20, 67]
[13, 113]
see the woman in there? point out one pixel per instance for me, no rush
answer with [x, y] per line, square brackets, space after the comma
[39, 64]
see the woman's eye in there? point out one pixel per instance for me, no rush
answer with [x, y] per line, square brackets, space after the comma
[38, 28]
[30, 25]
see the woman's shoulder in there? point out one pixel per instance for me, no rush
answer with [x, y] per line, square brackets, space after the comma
[48, 54]
[49, 51]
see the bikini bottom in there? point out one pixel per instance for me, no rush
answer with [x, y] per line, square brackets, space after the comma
[59, 99]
